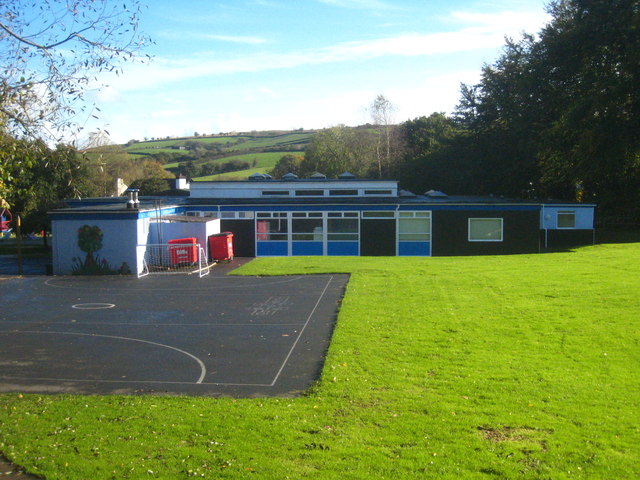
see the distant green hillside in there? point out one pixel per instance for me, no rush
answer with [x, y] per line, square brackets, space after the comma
[222, 156]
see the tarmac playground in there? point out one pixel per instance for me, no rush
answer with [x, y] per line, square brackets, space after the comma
[166, 334]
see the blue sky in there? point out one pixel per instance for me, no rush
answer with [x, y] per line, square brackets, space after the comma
[242, 65]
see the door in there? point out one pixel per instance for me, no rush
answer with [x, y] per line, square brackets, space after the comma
[378, 237]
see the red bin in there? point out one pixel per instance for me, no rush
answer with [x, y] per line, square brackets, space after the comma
[183, 251]
[221, 247]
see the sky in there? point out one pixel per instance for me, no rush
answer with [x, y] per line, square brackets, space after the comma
[242, 65]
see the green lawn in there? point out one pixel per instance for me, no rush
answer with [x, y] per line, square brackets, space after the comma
[509, 367]
[265, 162]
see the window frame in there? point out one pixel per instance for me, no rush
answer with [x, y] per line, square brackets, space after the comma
[483, 240]
[414, 217]
[565, 213]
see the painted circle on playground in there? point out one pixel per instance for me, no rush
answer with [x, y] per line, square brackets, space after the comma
[92, 306]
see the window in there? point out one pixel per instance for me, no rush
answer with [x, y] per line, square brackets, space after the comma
[566, 219]
[307, 229]
[273, 193]
[485, 229]
[414, 227]
[341, 229]
[309, 193]
[272, 229]
[236, 215]
[378, 214]
[343, 192]
[378, 192]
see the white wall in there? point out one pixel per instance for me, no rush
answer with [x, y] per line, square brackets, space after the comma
[119, 239]
[254, 189]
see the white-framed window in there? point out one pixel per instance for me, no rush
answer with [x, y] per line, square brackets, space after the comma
[342, 229]
[236, 215]
[414, 226]
[485, 229]
[202, 213]
[307, 229]
[566, 219]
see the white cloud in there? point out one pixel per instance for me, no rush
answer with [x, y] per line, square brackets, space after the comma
[508, 22]
[489, 34]
[250, 40]
[360, 4]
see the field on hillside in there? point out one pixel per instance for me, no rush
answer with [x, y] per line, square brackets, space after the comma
[231, 144]
[510, 367]
[264, 148]
[260, 162]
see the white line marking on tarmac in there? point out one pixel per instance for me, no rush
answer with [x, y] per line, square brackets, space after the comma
[121, 287]
[146, 382]
[315, 307]
[203, 369]
[93, 306]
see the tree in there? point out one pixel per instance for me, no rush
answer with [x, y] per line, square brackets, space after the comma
[590, 54]
[50, 53]
[151, 186]
[288, 164]
[340, 149]
[558, 115]
[90, 241]
[436, 156]
[382, 110]
[42, 177]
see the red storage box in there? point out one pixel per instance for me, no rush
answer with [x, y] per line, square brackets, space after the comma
[221, 247]
[183, 250]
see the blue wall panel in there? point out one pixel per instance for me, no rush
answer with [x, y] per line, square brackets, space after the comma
[306, 248]
[342, 248]
[421, 249]
[272, 249]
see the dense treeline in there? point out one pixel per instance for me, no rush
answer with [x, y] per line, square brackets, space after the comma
[556, 116]
[559, 115]
[37, 178]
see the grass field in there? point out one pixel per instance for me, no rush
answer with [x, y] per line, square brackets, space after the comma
[264, 163]
[263, 159]
[235, 142]
[509, 367]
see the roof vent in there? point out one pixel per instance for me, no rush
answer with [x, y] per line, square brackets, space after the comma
[435, 194]
[318, 176]
[406, 193]
[289, 176]
[259, 177]
[347, 176]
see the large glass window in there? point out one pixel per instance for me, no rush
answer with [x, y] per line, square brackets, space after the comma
[309, 229]
[342, 229]
[566, 219]
[485, 229]
[414, 229]
[271, 229]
